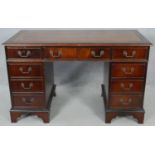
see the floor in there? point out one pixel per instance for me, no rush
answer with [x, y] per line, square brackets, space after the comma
[77, 105]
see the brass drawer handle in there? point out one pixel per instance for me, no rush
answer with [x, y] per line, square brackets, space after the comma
[24, 54]
[128, 71]
[27, 88]
[59, 54]
[123, 102]
[29, 70]
[125, 53]
[126, 88]
[26, 101]
[93, 53]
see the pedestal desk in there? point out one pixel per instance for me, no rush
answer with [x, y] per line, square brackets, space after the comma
[30, 56]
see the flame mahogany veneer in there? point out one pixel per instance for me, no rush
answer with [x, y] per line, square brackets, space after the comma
[31, 77]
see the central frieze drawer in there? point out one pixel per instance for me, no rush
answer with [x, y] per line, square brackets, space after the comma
[128, 70]
[101, 53]
[25, 70]
[60, 53]
[26, 85]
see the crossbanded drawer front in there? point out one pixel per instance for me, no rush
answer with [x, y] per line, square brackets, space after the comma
[25, 70]
[60, 53]
[130, 53]
[126, 101]
[28, 100]
[94, 53]
[24, 53]
[128, 70]
[133, 86]
[26, 85]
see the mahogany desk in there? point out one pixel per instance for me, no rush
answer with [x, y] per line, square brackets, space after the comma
[30, 56]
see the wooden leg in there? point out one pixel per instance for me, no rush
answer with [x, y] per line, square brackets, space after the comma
[109, 116]
[44, 116]
[139, 116]
[15, 116]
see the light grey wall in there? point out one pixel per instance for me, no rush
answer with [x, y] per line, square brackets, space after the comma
[77, 72]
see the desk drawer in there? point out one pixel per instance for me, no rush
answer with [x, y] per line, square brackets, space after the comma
[94, 53]
[24, 53]
[130, 53]
[126, 101]
[128, 69]
[25, 70]
[60, 53]
[28, 100]
[26, 85]
[127, 86]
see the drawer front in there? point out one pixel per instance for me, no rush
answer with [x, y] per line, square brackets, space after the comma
[127, 86]
[126, 101]
[130, 53]
[94, 53]
[60, 53]
[128, 69]
[25, 70]
[28, 101]
[24, 53]
[26, 85]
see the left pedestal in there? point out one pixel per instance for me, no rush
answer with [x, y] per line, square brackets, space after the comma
[31, 82]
